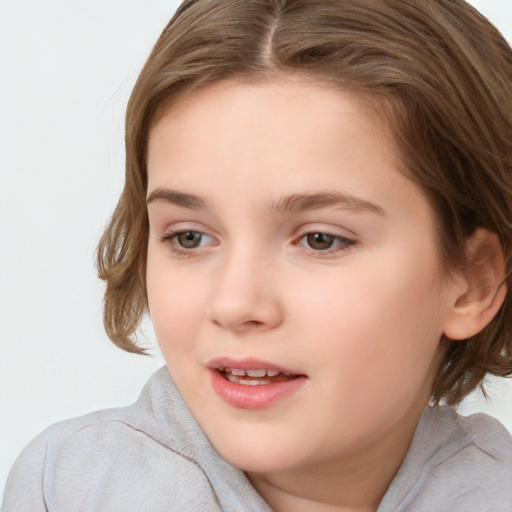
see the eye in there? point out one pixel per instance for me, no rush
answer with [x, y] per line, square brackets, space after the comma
[188, 240]
[324, 241]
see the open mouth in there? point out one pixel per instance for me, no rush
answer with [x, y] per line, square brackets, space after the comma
[253, 384]
[258, 377]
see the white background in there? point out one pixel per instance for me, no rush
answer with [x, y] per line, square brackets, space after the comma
[66, 70]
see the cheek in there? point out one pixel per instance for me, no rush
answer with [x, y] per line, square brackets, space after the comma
[383, 296]
[175, 303]
[385, 318]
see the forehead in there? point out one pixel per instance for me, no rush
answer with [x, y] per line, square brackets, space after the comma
[279, 88]
[287, 112]
[261, 141]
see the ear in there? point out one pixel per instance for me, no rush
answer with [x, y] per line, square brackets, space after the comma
[480, 290]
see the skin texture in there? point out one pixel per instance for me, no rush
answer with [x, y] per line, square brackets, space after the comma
[362, 320]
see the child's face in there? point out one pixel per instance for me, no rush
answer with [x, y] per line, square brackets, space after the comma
[302, 249]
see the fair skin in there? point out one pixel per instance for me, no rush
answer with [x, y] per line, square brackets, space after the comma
[282, 234]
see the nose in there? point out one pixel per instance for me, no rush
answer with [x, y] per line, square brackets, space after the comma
[245, 296]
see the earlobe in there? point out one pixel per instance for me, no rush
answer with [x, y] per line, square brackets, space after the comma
[481, 290]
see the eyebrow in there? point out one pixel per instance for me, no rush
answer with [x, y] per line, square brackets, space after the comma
[173, 197]
[318, 200]
[293, 203]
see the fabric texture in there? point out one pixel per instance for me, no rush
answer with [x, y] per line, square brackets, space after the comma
[152, 457]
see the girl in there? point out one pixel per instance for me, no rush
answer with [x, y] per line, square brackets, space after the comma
[317, 216]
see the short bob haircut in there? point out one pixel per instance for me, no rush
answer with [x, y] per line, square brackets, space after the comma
[438, 72]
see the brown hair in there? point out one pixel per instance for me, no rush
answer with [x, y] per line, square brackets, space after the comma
[441, 74]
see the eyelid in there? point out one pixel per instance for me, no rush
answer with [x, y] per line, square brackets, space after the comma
[348, 239]
[168, 238]
[328, 229]
[175, 234]
[172, 228]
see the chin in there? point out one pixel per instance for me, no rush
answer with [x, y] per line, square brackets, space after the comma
[258, 457]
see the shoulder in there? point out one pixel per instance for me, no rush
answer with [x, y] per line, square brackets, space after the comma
[488, 434]
[478, 437]
[457, 464]
[112, 460]
[478, 471]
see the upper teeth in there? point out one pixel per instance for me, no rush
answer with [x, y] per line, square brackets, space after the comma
[239, 372]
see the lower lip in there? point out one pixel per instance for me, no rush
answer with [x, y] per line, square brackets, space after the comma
[254, 397]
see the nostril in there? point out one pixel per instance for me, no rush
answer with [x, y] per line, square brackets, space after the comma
[253, 323]
[248, 325]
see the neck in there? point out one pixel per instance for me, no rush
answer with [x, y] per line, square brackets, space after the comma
[316, 493]
[354, 483]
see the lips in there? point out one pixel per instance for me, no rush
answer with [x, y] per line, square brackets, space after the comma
[259, 377]
[253, 384]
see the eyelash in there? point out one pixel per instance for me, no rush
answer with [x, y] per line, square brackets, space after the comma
[345, 244]
[170, 239]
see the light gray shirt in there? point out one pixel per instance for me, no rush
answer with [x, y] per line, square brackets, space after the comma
[152, 457]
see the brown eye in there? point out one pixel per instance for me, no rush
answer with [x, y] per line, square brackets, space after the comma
[324, 242]
[189, 239]
[320, 241]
